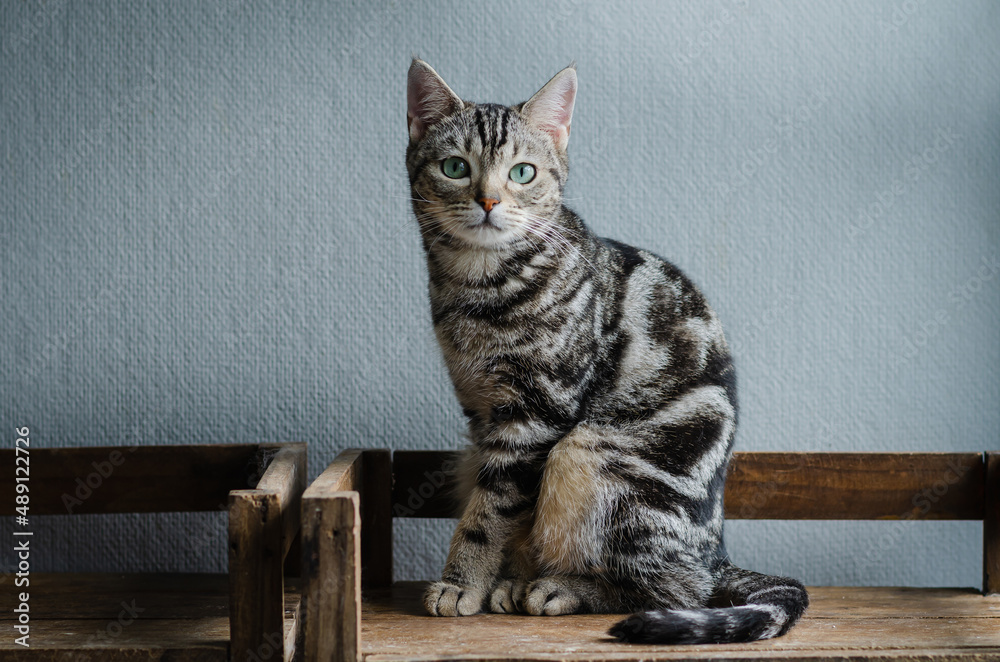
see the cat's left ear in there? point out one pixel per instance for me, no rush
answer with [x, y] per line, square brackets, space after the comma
[428, 99]
[551, 109]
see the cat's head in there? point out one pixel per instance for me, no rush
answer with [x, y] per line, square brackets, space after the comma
[485, 174]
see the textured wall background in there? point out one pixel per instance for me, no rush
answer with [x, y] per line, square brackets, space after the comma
[206, 234]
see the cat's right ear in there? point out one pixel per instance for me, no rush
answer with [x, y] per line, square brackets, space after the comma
[428, 99]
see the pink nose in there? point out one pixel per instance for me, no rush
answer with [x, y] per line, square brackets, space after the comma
[488, 203]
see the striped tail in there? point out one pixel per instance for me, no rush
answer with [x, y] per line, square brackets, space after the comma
[746, 606]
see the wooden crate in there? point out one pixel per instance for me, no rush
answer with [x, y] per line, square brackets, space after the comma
[347, 544]
[246, 614]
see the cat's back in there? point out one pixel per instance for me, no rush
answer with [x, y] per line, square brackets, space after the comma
[660, 337]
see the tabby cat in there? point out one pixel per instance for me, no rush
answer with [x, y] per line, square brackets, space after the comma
[597, 383]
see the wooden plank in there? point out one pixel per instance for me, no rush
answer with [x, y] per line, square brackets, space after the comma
[139, 479]
[376, 519]
[424, 484]
[255, 570]
[331, 589]
[72, 640]
[140, 640]
[991, 525]
[96, 596]
[843, 623]
[864, 486]
[286, 477]
[343, 474]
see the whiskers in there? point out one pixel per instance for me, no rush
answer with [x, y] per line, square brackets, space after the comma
[552, 235]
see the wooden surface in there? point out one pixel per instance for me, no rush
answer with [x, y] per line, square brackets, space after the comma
[842, 624]
[331, 578]
[144, 479]
[991, 525]
[128, 617]
[863, 486]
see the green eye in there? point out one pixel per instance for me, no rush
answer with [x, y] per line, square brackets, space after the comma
[455, 167]
[522, 173]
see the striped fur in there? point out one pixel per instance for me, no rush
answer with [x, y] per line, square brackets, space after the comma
[598, 386]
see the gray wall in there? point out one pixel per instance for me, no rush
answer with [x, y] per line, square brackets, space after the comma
[207, 238]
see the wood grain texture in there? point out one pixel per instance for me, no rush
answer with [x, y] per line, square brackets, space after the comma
[376, 519]
[842, 623]
[343, 474]
[331, 589]
[286, 477]
[262, 524]
[863, 486]
[255, 570]
[991, 525]
[138, 479]
[127, 617]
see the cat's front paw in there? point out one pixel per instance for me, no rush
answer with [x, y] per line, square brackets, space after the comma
[445, 599]
[508, 596]
[553, 596]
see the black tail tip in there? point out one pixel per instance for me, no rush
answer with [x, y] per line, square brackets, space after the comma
[629, 629]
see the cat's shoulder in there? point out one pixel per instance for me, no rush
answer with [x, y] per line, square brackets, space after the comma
[662, 277]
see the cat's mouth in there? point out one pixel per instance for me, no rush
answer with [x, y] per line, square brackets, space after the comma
[487, 230]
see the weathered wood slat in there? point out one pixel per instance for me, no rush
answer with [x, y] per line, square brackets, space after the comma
[286, 477]
[376, 519]
[424, 483]
[331, 588]
[105, 596]
[991, 525]
[344, 473]
[169, 640]
[142, 479]
[135, 616]
[863, 486]
[255, 568]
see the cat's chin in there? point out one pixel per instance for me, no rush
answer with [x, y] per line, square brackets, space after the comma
[486, 236]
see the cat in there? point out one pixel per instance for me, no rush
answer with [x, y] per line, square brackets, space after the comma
[598, 386]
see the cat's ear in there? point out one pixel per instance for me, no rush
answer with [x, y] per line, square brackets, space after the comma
[428, 99]
[551, 109]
